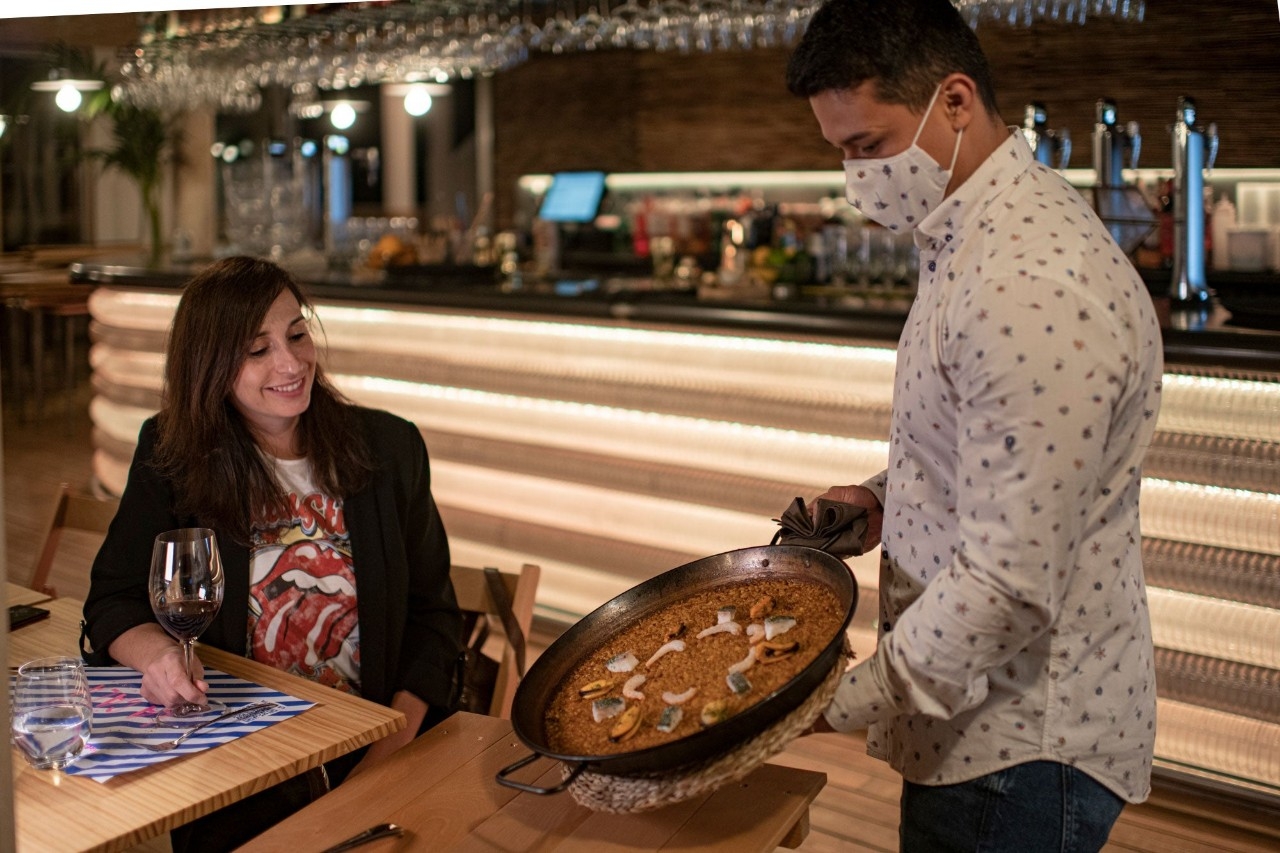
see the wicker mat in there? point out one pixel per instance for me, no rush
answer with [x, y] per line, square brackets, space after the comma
[629, 794]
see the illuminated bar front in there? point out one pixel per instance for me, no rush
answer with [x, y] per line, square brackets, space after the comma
[609, 450]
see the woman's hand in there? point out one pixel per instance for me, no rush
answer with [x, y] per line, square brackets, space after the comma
[152, 652]
[863, 497]
[414, 710]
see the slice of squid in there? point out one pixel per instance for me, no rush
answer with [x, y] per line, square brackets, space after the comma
[629, 689]
[673, 646]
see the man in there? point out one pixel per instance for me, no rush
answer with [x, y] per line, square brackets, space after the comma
[1013, 685]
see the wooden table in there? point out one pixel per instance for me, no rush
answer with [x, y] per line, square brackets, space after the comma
[441, 788]
[58, 812]
[15, 594]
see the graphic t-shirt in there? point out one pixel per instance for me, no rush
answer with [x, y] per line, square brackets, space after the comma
[302, 586]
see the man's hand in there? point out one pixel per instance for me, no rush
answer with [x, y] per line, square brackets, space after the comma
[863, 497]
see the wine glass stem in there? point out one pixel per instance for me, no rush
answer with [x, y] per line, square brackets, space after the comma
[186, 655]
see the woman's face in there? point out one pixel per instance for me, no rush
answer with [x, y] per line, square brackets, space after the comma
[273, 387]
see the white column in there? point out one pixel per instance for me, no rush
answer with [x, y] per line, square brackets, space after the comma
[441, 178]
[485, 135]
[194, 204]
[399, 176]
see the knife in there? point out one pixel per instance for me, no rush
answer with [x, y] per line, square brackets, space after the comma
[382, 830]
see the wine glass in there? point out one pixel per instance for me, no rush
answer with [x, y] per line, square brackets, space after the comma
[186, 586]
[52, 714]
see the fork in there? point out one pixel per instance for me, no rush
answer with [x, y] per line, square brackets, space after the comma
[165, 746]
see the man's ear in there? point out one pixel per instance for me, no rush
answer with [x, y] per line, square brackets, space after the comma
[960, 100]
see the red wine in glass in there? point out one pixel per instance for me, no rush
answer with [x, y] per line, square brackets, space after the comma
[186, 620]
[186, 585]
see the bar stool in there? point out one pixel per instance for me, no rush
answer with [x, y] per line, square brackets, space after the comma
[14, 288]
[67, 303]
[15, 357]
[27, 296]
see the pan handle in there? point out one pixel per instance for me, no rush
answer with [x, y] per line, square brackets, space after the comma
[501, 776]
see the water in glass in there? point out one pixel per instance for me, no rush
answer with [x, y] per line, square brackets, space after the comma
[52, 713]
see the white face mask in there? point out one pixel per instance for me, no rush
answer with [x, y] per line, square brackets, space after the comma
[899, 191]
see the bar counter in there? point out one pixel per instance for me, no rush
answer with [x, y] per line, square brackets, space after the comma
[616, 434]
[1212, 336]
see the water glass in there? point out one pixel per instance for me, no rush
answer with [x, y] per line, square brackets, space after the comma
[52, 714]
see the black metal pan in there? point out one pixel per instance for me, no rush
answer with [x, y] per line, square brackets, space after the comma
[537, 688]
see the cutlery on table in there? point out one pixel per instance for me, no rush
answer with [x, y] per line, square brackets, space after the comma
[382, 830]
[167, 745]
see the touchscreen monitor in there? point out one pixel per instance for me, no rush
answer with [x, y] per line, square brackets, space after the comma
[573, 197]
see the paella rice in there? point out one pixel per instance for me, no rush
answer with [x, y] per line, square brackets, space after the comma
[700, 652]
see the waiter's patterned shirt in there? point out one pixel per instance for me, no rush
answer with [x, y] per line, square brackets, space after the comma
[1014, 623]
[302, 585]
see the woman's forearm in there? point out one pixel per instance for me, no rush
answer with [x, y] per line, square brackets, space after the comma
[152, 652]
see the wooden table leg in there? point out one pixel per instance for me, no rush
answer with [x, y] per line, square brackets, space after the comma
[17, 358]
[798, 832]
[69, 368]
[37, 361]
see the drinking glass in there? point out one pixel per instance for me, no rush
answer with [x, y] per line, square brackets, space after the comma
[186, 586]
[52, 714]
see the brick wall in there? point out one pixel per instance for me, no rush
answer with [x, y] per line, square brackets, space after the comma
[627, 111]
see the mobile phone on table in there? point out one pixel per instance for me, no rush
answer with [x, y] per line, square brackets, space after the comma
[24, 614]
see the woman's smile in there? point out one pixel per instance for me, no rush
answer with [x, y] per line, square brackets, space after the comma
[273, 387]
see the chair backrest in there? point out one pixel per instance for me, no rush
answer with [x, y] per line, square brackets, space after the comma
[472, 590]
[72, 511]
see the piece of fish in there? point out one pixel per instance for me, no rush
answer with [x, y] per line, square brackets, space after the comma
[624, 662]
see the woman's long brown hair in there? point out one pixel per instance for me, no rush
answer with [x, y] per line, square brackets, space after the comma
[205, 447]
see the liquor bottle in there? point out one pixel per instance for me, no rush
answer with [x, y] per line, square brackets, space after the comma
[640, 229]
[1166, 223]
[1223, 220]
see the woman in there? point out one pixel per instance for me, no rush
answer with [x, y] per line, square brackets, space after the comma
[336, 561]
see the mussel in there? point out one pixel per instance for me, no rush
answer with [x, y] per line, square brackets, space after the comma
[772, 651]
[595, 689]
[627, 725]
[762, 608]
[715, 711]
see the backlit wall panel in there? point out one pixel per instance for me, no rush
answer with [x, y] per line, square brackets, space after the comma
[608, 453]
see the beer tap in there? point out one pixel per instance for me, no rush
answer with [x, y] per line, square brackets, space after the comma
[1045, 143]
[1122, 206]
[1111, 142]
[1194, 150]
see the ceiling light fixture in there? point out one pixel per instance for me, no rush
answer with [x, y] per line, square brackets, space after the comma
[417, 101]
[342, 114]
[418, 96]
[68, 99]
[67, 87]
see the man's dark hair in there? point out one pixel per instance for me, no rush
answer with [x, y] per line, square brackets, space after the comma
[906, 46]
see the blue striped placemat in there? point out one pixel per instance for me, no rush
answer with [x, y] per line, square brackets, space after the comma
[122, 719]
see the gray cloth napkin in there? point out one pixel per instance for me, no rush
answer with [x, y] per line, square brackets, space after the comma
[835, 527]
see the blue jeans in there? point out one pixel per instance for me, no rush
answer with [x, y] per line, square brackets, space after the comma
[1038, 807]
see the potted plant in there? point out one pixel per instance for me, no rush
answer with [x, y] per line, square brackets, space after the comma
[141, 138]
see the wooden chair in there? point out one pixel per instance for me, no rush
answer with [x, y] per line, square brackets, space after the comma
[473, 594]
[74, 511]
